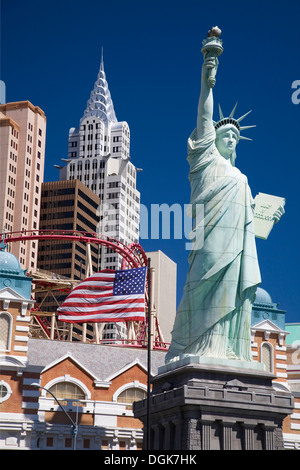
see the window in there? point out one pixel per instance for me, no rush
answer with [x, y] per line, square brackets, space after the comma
[68, 442]
[266, 356]
[5, 391]
[104, 444]
[5, 331]
[49, 442]
[86, 443]
[67, 390]
[131, 394]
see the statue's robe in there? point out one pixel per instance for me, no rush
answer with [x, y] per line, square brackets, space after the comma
[214, 315]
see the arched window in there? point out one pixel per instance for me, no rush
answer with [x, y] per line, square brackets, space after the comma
[5, 391]
[5, 331]
[130, 395]
[267, 356]
[66, 391]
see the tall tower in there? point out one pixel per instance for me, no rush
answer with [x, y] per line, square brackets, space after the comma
[22, 156]
[99, 156]
[68, 205]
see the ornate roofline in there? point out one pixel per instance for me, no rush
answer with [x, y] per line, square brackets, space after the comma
[100, 103]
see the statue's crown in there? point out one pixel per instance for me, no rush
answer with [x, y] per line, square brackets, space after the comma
[231, 120]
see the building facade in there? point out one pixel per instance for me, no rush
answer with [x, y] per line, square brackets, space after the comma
[276, 344]
[67, 207]
[164, 292]
[97, 384]
[15, 305]
[22, 156]
[292, 423]
[269, 337]
[99, 156]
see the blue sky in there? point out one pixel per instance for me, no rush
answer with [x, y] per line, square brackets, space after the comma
[50, 55]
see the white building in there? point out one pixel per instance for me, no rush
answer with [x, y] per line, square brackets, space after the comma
[99, 156]
[164, 292]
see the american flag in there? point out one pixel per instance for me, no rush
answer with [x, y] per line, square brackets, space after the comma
[107, 296]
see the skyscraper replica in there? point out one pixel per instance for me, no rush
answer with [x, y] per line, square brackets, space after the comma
[67, 205]
[99, 156]
[22, 156]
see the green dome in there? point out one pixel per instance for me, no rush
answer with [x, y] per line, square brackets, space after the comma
[9, 263]
[262, 296]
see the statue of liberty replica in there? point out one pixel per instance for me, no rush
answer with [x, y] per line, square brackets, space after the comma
[213, 318]
[210, 394]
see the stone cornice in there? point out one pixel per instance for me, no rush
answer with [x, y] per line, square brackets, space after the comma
[22, 105]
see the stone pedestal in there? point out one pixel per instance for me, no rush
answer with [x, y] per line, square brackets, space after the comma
[197, 404]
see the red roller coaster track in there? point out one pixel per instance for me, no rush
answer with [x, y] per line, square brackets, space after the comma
[133, 255]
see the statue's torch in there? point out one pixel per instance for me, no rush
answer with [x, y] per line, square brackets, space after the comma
[212, 48]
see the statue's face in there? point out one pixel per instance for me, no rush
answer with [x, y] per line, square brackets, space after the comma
[226, 142]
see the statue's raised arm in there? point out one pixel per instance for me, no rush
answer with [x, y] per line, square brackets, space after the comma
[212, 48]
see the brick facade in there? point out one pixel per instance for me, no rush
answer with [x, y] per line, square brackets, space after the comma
[30, 419]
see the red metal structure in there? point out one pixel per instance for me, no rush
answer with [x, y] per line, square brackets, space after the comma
[133, 257]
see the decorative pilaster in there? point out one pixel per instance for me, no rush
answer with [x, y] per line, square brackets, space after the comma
[249, 436]
[227, 435]
[166, 435]
[156, 436]
[205, 434]
[269, 437]
[177, 433]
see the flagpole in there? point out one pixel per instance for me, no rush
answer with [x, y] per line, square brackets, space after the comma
[149, 355]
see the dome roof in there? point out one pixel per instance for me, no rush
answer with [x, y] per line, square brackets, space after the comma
[262, 297]
[9, 263]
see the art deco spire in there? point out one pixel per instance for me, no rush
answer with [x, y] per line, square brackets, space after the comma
[100, 103]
